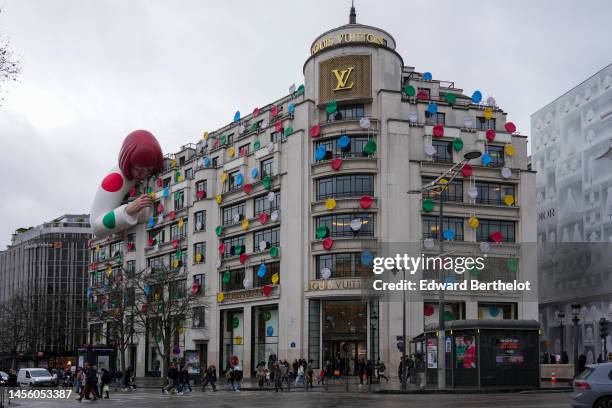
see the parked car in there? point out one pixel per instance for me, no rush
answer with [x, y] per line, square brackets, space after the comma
[35, 377]
[593, 387]
[3, 378]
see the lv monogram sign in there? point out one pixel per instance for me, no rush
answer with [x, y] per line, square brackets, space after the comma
[342, 78]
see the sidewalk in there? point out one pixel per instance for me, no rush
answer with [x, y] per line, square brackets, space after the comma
[391, 387]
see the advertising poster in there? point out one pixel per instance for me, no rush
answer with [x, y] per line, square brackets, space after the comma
[192, 359]
[103, 362]
[465, 352]
[509, 352]
[432, 353]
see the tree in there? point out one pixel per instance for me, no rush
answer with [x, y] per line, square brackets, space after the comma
[111, 298]
[164, 306]
[21, 319]
[10, 66]
[150, 302]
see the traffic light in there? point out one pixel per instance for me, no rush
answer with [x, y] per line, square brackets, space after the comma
[603, 327]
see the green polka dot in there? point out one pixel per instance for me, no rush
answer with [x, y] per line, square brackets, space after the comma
[109, 220]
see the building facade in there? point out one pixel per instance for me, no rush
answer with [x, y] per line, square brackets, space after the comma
[571, 139]
[278, 214]
[45, 268]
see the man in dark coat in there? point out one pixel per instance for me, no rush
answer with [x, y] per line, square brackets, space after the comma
[91, 380]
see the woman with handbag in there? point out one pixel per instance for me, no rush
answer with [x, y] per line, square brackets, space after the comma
[105, 381]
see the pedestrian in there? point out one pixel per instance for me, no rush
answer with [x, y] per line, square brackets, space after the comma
[261, 374]
[185, 380]
[410, 367]
[90, 383]
[552, 359]
[381, 371]
[299, 378]
[79, 380]
[117, 379]
[126, 379]
[564, 357]
[361, 371]
[173, 379]
[581, 363]
[277, 374]
[96, 388]
[210, 377]
[237, 378]
[105, 381]
[369, 371]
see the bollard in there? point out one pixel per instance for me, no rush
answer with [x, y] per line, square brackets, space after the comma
[553, 378]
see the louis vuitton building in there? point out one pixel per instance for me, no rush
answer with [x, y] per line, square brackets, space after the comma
[278, 214]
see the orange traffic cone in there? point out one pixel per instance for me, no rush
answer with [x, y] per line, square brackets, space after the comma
[553, 378]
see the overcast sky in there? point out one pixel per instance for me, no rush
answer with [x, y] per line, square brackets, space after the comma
[95, 70]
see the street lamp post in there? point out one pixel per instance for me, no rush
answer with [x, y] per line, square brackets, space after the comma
[575, 319]
[439, 187]
[561, 318]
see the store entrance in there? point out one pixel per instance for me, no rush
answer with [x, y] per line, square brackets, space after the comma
[344, 355]
[345, 334]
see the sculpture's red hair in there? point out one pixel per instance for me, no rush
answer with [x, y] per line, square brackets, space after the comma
[140, 148]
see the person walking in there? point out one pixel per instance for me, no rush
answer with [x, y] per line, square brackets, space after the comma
[117, 377]
[127, 386]
[369, 369]
[237, 378]
[381, 371]
[173, 379]
[277, 374]
[79, 380]
[210, 377]
[299, 378]
[105, 381]
[91, 381]
[185, 380]
[309, 374]
[361, 371]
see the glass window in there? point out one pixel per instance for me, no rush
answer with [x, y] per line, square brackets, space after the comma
[215, 162]
[199, 316]
[200, 280]
[230, 139]
[200, 221]
[131, 242]
[201, 185]
[346, 112]
[493, 193]
[244, 149]
[271, 269]
[438, 118]
[156, 264]
[176, 232]
[189, 173]
[130, 267]
[181, 261]
[444, 151]
[263, 205]
[354, 149]
[235, 282]
[231, 211]
[179, 200]
[497, 155]
[339, 225]
[277, 136]
[487, 227]
[166, 182]
[177, 289]
[116, 248]
[234, 246]
[484, 124]
[430, 226]
[426, 90]
[158, 236]
[314, 331]
[354, 185]
[199, 248]
[342, 265]
[271, 236]
[231, 180]
[453, 192]
[267, 167]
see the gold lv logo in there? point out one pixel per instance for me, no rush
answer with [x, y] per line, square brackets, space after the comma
[342, 77]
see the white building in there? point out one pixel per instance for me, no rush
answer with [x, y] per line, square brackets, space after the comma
[571, 136]
[309, 147]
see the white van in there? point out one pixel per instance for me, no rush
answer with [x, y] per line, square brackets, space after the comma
[34, 377]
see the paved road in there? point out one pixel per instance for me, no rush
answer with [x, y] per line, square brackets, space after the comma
[266, 399]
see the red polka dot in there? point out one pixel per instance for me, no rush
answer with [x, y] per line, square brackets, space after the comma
[113, 182]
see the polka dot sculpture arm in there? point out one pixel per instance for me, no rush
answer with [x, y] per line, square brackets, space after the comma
[108, 215]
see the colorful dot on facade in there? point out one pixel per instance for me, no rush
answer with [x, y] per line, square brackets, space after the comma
[109, 220]
[113, 182]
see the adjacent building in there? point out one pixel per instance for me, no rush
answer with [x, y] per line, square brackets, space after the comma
[277, 214]
[572, 137]
[43, 277]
